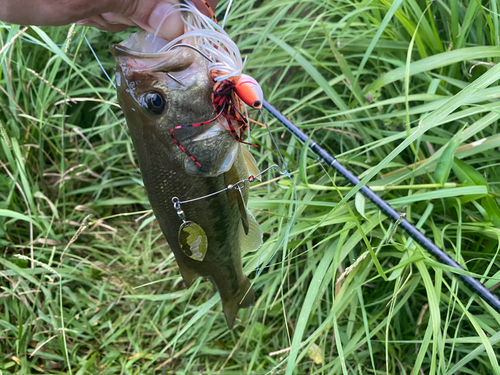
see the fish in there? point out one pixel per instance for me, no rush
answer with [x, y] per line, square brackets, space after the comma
[157, 92]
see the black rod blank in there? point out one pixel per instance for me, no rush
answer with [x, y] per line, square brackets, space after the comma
[387, 209]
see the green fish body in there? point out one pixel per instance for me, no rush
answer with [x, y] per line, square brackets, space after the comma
[154, 104]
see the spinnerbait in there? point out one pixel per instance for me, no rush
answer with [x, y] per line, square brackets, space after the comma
[192, 238]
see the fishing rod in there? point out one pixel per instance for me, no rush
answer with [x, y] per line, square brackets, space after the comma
[387, 209]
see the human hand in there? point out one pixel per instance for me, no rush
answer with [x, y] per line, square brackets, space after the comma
[108, 15]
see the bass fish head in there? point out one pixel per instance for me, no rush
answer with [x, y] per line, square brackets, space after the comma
[159, 91]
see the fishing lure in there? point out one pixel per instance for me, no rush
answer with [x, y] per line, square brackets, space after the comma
[192, 238]
[231, 87]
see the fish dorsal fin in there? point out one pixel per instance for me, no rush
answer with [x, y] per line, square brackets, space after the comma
[253, 240]
[250, 162]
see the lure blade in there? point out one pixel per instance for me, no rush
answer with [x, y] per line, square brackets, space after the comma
[193, 240]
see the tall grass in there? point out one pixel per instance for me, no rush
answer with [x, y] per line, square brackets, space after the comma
[403, 93]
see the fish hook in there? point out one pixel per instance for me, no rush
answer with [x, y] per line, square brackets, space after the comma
[193, 48]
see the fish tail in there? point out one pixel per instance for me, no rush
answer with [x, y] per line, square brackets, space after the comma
[244, 298]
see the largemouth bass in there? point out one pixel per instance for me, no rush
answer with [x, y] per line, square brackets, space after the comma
[157, 92]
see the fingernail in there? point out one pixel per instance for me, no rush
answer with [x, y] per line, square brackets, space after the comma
[109, 17]
[81, 22]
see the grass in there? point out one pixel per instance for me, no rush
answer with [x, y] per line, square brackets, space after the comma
[405, 94]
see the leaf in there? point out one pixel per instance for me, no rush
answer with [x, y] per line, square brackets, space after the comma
[491, 207]
[467, 174]
[18, 216]
[303, 162]
[477, 352]
[434, 62]
[445, 162]
[386, 21]
[156, 297]
[316, 354]
[465, 192]
[312, 71]
[314, 288]
[360, 202]
[493, 280]
[430, 121]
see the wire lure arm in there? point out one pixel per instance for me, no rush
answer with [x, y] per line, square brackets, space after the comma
[193, 48]
[238, 185]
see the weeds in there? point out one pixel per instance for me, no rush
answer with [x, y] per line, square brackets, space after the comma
[403, 93]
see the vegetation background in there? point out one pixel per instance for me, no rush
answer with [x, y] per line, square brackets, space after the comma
[404, 92]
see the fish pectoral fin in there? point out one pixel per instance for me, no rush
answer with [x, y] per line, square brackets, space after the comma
[245, 224]
[244, 298]
[215, 149]
[250, 162]
[231, 177]
[213, 161]
[187, 274]
[251, 241]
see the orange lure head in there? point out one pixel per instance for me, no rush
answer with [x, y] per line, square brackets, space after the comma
[248, 89]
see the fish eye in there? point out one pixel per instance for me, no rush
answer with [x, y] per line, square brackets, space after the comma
[155, 101]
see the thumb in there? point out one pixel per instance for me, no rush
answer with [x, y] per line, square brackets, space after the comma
[151, 16]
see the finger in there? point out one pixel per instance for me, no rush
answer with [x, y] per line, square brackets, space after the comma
[99, 20]
[166, 27]
[55, 12]
[101, 24]
[114, 28]
[117, 19]
[89, 23]
[150, 15]
[154, 20]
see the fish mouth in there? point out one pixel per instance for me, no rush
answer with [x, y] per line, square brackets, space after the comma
[141, 44]
[141, 52]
